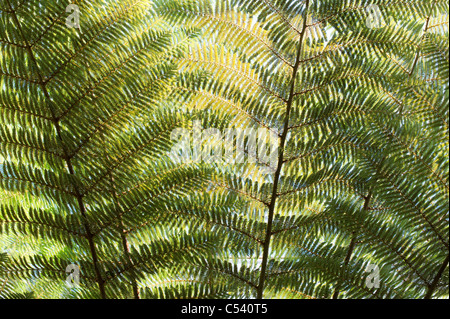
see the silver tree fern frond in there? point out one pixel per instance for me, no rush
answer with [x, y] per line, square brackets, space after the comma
[93, 122]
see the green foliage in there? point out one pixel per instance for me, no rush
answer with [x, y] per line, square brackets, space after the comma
[7, 290]
[361, 178]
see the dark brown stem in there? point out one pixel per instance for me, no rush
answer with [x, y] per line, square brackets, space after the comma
[432, 287]
[416, 59]
[289, 103]
[346, 262]
[352, 246]
[78, 195]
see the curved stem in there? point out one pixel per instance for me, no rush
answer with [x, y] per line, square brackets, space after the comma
[432, 287]
[289, 103]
